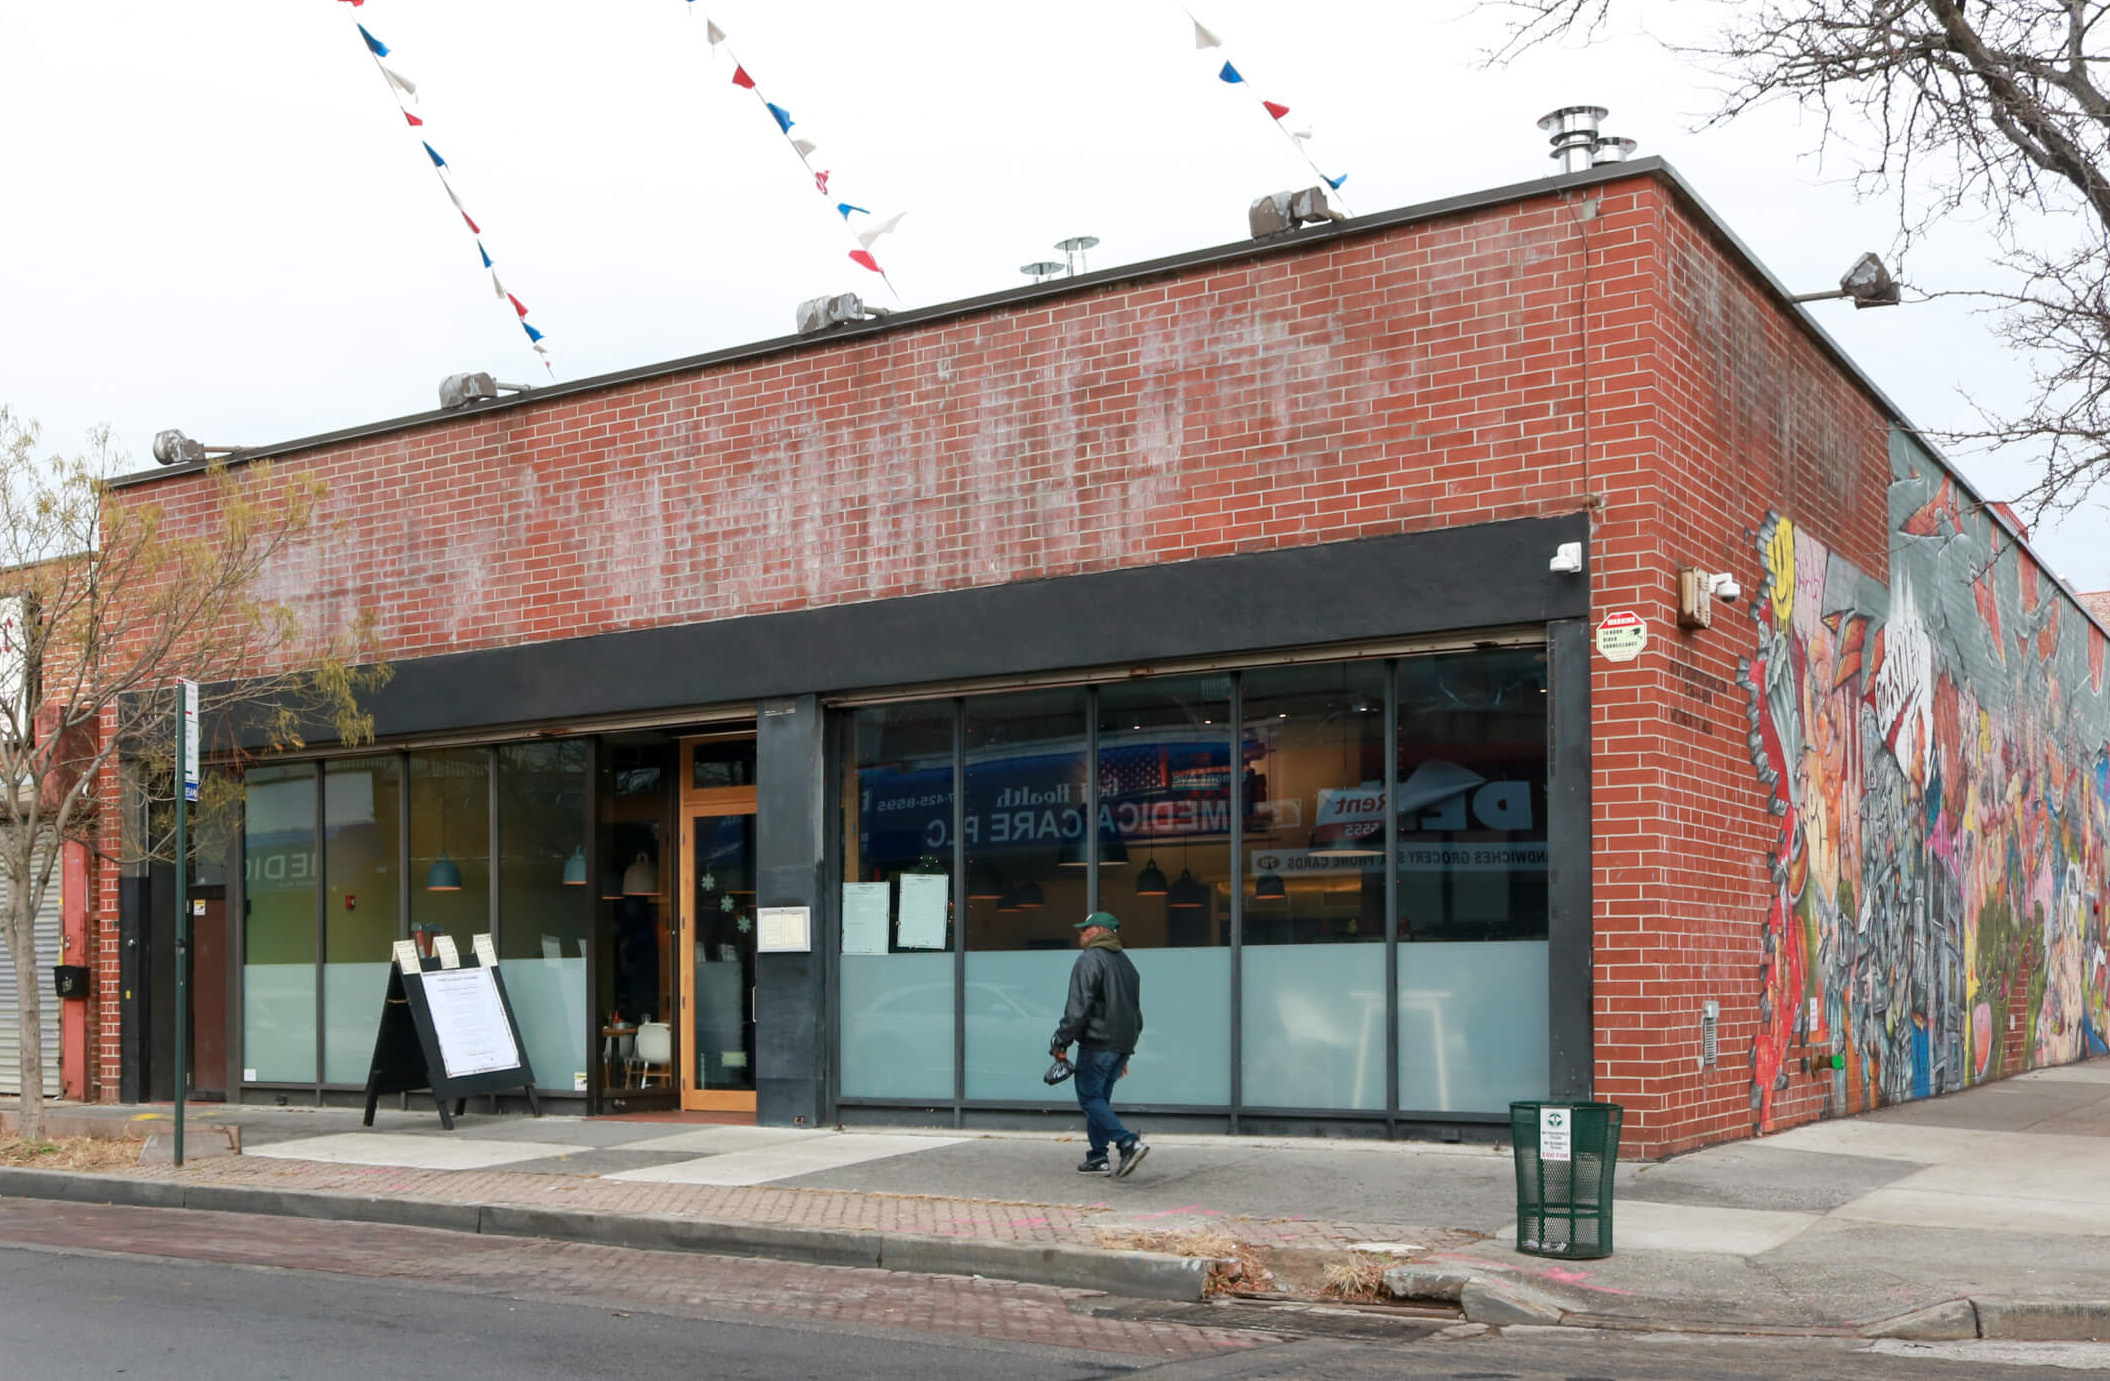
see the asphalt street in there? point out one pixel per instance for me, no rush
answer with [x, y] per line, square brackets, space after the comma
[100, 1292]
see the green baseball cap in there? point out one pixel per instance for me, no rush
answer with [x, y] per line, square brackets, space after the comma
[1105, 919]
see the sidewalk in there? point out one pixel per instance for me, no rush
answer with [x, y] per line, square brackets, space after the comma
[1997, 1195]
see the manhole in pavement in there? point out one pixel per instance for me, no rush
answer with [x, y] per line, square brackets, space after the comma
[1287, 1320]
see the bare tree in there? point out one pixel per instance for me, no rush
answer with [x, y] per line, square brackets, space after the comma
[1999, 106]
[103, 606]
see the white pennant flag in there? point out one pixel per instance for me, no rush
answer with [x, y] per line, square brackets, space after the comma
[715, 34]
[1300, 135]
[1203, 38]
[804, 146]
[495, 284]
[455, 199]
[884, 227]
[400, 82]
[540, 349]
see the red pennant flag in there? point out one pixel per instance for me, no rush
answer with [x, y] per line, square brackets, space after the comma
[820, 180]
[412, 118]
[864, 257]
[357, 3]
[740, 78]
[474, 228]
[1278, 111]
[518, 305]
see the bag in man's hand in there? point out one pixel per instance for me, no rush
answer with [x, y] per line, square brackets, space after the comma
[1057, 1072]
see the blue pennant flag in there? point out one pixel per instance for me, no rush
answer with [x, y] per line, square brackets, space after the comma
[437, 161]
[1230, 74]
[783, 116]
[1335, 182]
[846, 209]
[533, 334]
[485, 252]
[373, 45]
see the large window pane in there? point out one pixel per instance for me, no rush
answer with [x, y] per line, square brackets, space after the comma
[545, 916]
[278, 934]
[1025, 818]
[1471, 815]
[897, 964]
[636, 883]
[1313, 995]
[450, 845]
[1164, 774]
[362, 918]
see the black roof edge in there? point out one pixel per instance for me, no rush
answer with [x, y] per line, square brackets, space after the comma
[1052, 289]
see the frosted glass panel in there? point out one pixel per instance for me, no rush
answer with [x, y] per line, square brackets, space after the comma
[351, 1001]
[897, 1026]
[1014, 1000]
[549, 1004]
[1472, 1025]
[1314, 1033]
[278, 1021]
[1185, 1053]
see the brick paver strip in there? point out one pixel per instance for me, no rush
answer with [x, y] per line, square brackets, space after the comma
[935, 1216]
[616, 1277]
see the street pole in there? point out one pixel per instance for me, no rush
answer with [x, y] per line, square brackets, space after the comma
[187, 792]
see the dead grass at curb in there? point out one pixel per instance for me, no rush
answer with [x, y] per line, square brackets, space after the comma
[1358, 1278]
[70, 1153]
[1238, 1265]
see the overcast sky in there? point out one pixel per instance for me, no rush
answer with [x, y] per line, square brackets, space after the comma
[216, 220]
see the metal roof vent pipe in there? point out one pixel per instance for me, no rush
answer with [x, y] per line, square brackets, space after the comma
[1577, 144]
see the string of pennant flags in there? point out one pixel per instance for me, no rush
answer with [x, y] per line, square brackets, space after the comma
[806, 150]
[404, 91]
[1277, 113]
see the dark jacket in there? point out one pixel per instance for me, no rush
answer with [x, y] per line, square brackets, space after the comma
[1105, 1010]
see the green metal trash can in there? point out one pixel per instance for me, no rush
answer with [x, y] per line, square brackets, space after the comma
[1566, 1154]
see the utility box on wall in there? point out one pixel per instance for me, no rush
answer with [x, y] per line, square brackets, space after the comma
[70, 980]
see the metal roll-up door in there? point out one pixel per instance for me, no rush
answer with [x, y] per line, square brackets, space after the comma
[49, 930]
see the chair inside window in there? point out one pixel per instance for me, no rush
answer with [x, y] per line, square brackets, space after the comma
[652, 1055]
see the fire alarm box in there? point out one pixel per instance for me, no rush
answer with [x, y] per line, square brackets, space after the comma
[1695, 598]
[70, 980]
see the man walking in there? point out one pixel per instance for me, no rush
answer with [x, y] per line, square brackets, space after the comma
[1103, 1016]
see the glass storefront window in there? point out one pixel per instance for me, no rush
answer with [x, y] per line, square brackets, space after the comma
[450, 846]
[362, 810]
[897, 963]
[546, 901]
[1313, 993]
[1164, 770]
[1471, 816]
[635, 890]
[278, 933]
[1025, 823]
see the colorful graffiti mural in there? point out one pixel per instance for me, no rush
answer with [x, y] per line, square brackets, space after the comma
[1937, 753]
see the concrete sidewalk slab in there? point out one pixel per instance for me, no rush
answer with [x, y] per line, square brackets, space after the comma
[714, 1141]
[785, 1160]
[418, 1152]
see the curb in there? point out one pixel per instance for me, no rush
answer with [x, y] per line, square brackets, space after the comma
[1500, 1300]
[1135, 1275]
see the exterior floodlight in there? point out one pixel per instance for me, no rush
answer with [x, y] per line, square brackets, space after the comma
[172, 447]
[1868, 283]
[1281, 212]
[460, 390]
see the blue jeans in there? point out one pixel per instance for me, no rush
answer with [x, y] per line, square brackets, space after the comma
[1097, 1073]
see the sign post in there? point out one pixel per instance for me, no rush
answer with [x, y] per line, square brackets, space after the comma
[187, 777]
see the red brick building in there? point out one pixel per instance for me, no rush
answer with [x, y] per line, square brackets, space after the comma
[1223, 592]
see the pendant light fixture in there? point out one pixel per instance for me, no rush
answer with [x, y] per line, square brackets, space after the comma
[1151, 881]
[575, 868]
[445, 875]
[982, 885]
[641, 879]
[1187, 894]
[1113, 851]
[1030, 897]
[1269, 887]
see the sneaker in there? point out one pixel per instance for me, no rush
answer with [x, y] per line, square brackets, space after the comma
[1093, 1165]
[1131, 1156]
